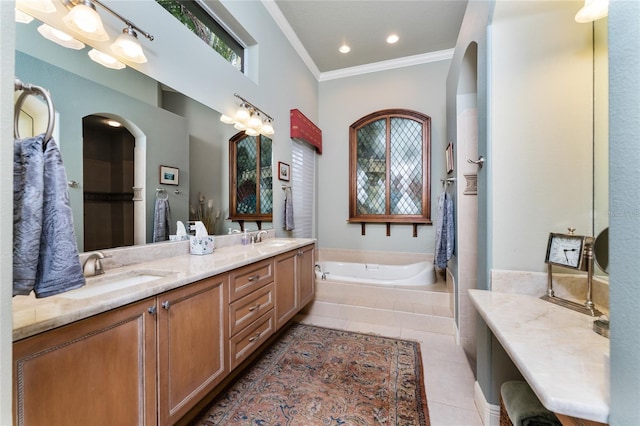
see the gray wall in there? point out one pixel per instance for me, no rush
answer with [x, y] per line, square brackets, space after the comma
[342, 102]
[624, 199]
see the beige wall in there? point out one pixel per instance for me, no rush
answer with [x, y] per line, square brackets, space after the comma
[342, 102]
[540, 129]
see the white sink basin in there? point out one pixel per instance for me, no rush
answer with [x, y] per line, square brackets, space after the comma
[275, 243]
[106, 283]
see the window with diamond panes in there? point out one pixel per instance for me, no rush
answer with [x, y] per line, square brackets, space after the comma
[390, 168]
[250, 184]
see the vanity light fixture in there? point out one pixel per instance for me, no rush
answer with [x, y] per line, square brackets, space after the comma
[105, 60]
[44, 6]
[23, 18]
[592, 11]
[248, 118]
[60, 37]
[84, 19]
[128, 46]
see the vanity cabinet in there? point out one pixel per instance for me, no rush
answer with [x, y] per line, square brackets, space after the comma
[251, 320]
[294, 282]
[98, 371]
[192, 335]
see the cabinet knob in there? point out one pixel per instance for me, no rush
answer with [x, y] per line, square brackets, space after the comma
[299, 253]
[254, 307]
[166, 304]
[255, 277]
[152, 310]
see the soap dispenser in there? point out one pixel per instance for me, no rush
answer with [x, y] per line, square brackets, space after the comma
[245, 238]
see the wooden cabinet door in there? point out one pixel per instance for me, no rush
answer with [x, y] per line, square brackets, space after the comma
[305, 275]
[192, 337]
[97, 371]
[286, 290]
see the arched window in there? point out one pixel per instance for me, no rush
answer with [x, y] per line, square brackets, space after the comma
[389, 168]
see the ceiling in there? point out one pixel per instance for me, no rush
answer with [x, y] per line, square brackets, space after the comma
[317, 28]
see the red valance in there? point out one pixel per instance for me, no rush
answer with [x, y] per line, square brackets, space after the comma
[302, 128]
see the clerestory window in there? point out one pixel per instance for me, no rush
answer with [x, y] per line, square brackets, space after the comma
[204, 25]
[389, 168]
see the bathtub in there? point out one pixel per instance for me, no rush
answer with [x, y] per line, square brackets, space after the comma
[415, 274]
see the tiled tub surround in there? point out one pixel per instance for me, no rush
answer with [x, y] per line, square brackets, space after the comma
[32, 316]
[555, 348]
[427, 308]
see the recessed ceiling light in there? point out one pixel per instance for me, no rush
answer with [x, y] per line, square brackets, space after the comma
[344, 49]
[114, 123]
[392, 38]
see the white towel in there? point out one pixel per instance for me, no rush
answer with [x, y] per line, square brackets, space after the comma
[288, 210]
[161, 220]
[445, 235]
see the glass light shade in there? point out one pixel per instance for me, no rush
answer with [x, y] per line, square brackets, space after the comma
[128, 47]
[592, 11]
[59, 37]
[267, 128]
[86, 21]
[22, 17]
[242, 114]
[226, 119]
[44, 6]
[251, 132]
[255, 122]
[105, 60]
[240, 126]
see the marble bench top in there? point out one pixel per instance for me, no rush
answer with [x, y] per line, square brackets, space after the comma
[560, 356]
[32, 316]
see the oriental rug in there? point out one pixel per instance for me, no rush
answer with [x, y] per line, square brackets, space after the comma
[320, 376]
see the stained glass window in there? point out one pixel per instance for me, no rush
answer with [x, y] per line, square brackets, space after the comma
[390, 167]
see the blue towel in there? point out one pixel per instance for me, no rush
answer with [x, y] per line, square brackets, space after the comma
[28, 187]
[161, 219]
[445, 236]
[288, 210]
[45, 254]
[59, 268]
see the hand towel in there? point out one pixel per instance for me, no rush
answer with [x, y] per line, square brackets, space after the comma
[59, 267]
[28, 187]
[161, 219]
[288, 210]
[445, 236]
[524, 407]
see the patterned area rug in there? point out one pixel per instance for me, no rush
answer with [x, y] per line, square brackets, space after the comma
[320, 376]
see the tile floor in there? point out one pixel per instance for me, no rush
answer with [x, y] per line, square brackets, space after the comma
[448, 378]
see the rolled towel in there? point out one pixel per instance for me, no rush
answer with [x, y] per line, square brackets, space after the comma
[161, 219]
[524, 407]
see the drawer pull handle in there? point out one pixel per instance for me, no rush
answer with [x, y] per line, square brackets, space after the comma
[254, 338]
[255, 277]
[166, 304]
[254, 307]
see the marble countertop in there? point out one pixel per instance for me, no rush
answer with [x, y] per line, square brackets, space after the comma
[32, 316]
[564, 361]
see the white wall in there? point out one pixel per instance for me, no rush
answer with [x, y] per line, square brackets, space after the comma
[342, 102]
[540, 129]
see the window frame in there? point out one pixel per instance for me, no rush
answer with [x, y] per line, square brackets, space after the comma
[388, 114]
[234, 216]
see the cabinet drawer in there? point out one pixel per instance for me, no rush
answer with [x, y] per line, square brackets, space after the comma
[244, 343]
[247, 309]
[249, 278]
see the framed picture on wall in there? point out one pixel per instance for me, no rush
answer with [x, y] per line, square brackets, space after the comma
[449, 157]
[169, 175]
[283, 171]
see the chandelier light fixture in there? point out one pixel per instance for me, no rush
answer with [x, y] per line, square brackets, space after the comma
[249, 118]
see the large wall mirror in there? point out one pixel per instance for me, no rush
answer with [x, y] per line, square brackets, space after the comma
[169, 128]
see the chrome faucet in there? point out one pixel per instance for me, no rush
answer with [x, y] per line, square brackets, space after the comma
[93, 266]
[258, 237]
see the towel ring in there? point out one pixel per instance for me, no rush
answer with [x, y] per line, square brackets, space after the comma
[162, 191]
[27, 90]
